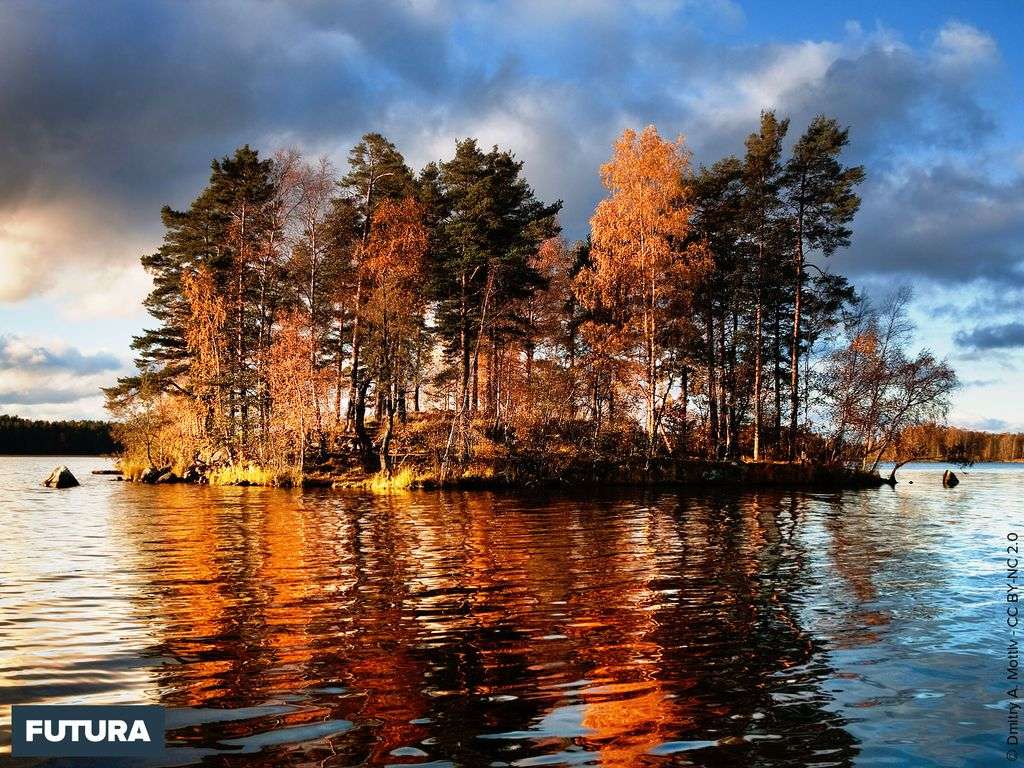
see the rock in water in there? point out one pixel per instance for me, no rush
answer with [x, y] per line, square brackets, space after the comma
[61, 477]
[949, 479]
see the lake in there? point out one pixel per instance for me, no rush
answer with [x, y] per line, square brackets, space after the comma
[330, 628]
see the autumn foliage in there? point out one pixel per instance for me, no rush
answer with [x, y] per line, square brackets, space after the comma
[313, 324]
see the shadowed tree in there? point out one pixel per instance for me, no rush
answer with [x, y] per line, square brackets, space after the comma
[762, 206]
[395, 269]
[822, 203]
[492, 226]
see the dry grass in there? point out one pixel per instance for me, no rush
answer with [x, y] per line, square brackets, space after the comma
[244, 474]
[131, 468]
[403, 479]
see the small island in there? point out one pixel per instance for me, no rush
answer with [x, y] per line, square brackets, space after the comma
[389, 328]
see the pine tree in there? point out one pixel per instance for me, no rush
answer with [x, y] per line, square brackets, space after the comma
[492, 226]
[822, 203]
[223, 233]
[762, 205]
[377, 172]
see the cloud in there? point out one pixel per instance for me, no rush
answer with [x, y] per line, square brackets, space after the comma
[126, 118]
[17, 353]
[141, 96]
[94, 141]
[1003, 336]
[83, 408]
[962, 47]
[74, 249]
[38, 376]
[948, 222]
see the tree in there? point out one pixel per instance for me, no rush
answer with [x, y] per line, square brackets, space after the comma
[822, 202]
[395, 270]
[206, 340]
[295, 391]
[641, 268]
[312, 264]
[377, 172]
[762, 205]
[224, 231]
[492, 225]
[716, 226]
[877, 391]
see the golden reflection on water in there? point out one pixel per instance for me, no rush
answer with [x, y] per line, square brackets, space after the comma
[473, 628]
[502, 627]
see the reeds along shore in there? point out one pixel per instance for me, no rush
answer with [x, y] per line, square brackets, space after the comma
[435, 326]
[736, 475]
[586, 462]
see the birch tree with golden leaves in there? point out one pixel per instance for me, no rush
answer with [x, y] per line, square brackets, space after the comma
[642, 271]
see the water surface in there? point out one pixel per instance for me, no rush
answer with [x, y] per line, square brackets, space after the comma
[327, 628]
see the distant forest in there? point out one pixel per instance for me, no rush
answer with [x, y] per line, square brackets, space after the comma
[934, 442]
[24, 437]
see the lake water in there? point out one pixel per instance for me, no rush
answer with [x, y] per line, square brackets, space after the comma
[331, 628]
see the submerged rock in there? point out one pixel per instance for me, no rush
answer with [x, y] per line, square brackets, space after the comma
[61, 477]
[949, 479]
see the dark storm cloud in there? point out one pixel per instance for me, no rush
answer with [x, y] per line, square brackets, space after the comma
[124, 104]
[1001, 336]
[124, 99]
[948, 223]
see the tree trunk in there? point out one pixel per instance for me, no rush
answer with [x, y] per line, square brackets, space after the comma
[353, 383]
[757, 379]
[389, 430]
[776, 341]
[712, 387]
[794, 363]
[723, 410]
[685, 394]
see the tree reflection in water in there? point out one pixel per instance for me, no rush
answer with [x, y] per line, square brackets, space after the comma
[484, 629]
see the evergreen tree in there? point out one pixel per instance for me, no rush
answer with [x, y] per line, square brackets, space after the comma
[762, 205]
[822, 203]
[492, 226]
[223, 232]
[377, 172]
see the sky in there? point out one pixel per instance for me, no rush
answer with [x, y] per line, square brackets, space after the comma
[110, 110]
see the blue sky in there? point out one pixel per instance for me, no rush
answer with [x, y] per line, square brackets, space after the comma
[109, 111]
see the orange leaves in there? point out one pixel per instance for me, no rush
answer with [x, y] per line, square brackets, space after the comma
[295, 388]
[398, 244]
[643, 271]
[639, 229]
[865, 343]
[636, 227]
[204, 326]
[395, 268]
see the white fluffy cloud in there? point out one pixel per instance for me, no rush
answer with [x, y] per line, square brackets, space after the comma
[962, 47]
[84, 254]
